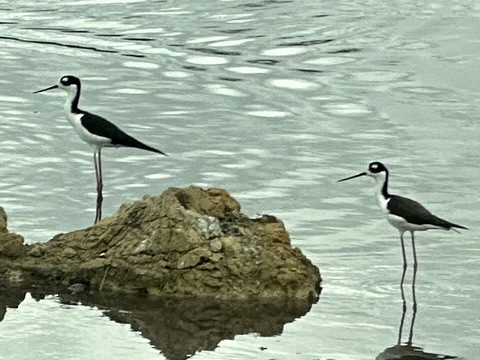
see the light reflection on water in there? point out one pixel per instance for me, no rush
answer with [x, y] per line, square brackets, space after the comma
[274, 101]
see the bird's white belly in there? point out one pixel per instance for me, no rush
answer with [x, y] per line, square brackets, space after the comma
[398, 222]
[92, 139]
[402, 225]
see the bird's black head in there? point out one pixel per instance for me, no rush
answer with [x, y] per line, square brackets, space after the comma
[69, 80]
[376, 167]
[67, 83]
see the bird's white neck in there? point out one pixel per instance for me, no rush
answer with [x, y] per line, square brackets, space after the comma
[381, 190]
[71, 103]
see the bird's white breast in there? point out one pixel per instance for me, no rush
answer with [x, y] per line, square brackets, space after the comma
[382, 202]
[92, 139]
[394, 220]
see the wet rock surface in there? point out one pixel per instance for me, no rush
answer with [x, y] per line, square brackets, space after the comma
[187, 242]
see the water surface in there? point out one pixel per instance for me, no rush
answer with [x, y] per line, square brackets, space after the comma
[273, 101]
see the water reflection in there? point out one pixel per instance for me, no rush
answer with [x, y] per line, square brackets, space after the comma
[10, 298]
[179, 328]
[56, 43]
[405, 350]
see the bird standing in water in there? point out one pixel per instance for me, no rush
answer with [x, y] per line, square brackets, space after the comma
[94, 130]
[403, 213]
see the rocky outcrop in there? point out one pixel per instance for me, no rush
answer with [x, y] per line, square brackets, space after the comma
[185, 242]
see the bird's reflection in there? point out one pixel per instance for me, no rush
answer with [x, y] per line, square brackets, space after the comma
[180, 328]
[404, 307]
[405, 350]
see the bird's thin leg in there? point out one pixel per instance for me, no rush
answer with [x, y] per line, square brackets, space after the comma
[412, 324]
[415, 268]
[404, 266]
[404, 311]
[98, 177]
[99, 186]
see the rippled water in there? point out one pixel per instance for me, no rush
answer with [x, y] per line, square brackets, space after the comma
[274, 101]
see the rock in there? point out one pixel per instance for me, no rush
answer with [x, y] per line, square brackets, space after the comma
[3, 220]
[216, 245]
[37, 250]
[11, 245]
[194, 258]
[68, 253]
[208, 226]
[77, 288]
[185, 242]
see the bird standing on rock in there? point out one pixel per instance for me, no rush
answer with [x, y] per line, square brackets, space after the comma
[94, 130]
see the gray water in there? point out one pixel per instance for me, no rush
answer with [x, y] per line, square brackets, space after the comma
[273, 101]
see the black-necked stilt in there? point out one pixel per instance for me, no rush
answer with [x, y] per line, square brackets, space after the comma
[94, 130]
[403, 213]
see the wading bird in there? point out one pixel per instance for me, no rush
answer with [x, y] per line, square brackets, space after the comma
[403, 213]
[94, 130]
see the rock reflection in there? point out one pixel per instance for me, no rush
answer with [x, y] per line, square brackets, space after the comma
[406, 350]
[181, 327]
[10, 298]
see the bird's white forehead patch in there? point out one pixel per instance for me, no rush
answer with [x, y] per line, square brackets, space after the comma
[374, 166]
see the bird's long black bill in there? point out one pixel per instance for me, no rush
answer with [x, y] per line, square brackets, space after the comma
[353, 177]
[48, 88]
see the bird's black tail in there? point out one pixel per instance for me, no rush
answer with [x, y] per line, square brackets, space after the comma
[451, 226]
[143, 146]
[130, 141]
[447, 225]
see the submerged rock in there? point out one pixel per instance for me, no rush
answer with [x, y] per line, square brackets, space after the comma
[185, 242]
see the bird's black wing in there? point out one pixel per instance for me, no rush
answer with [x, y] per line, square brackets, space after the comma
[416, 213]
[97, 125]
